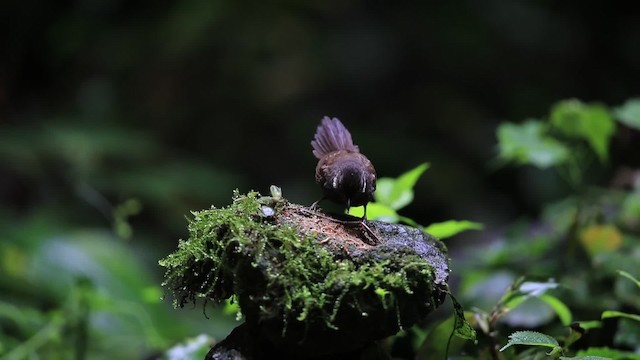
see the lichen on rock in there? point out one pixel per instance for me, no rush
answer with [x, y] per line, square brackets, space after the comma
[308, 283]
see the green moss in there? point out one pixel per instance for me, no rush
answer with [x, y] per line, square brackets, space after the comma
[279, 274]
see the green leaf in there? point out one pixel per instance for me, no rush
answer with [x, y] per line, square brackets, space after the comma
[608, 353]
[629, 113]
[629, 276]
[528, 293]
[527, 143]
[611, 314]
[587, 325]
[398, 193]
[520, 290]
[589, 357]
[530, 313]
[524, 292]
[515, 300]
[590, 122]
[376, 211]
[563, 312]
[462, 328]
[531, 338]
[443, 230]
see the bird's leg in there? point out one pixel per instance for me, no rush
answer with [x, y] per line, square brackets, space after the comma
[368, 231]
[315, 206]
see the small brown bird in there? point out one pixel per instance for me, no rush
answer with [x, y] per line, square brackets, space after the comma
[346, 176]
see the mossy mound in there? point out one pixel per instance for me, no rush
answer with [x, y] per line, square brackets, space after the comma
[306, 283]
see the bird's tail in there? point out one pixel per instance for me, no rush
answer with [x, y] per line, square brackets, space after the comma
[332, 136]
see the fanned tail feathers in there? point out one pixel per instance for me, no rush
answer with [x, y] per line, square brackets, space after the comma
[332, 136]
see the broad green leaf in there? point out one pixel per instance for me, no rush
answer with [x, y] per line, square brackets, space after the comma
[512, 291]
[629, 276]
[408, 180]
[398, 193]
[462, 328]
[515, 301]
[533, 307]
[531, 338]
[527, 143]
[608, 353]
[384, 188]
[589, 357]
[450, 228]
[612, 314]
[629, 113]
[562, 310]
[376, 211]
[590, 122]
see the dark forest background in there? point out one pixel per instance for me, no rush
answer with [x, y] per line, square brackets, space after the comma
[117, 118]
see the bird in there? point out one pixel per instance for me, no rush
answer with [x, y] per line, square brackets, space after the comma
[346, 176]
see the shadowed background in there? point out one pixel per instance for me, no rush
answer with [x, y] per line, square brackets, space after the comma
[154, 108]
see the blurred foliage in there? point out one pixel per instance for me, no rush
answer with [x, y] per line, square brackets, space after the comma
[588, 242]
[79, 279]
[84, 294]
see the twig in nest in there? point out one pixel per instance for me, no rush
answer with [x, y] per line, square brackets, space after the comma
[365, 230]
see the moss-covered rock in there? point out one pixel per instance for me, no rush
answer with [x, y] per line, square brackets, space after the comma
[308, 285]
